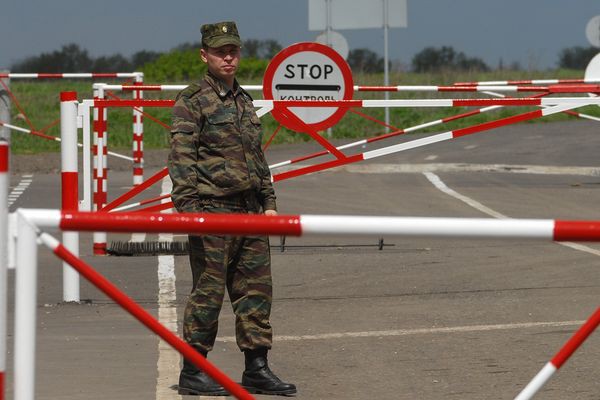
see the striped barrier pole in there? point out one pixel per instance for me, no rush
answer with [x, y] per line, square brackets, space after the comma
[144, 317]
[69, 186]
[99, 167]
[138, 136]
[4, 184]
[300, 225]
[529, 82]
[561, 357]
[84, 75]
[553, 86]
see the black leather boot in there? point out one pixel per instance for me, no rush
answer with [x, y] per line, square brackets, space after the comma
[193, 381]
[258, 377]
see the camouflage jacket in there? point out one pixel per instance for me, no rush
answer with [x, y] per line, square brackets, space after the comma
[216, 146]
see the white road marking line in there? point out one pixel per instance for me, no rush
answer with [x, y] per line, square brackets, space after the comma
[431, 157]
[168, 358]
[417, 331]
[437, 182]
[462, 167]
[470, 147]
[19, 189]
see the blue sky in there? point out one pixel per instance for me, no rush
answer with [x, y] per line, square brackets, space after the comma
[531, 32]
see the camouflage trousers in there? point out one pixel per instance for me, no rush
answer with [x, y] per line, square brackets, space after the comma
[243, 266]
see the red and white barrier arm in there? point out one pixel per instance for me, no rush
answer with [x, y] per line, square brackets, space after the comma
[162, 88]
[530, 82]
[573, 113]
[56, 139]
[561, 357]
[421, 142]
[70, 75]
[144, 317]
[507, 101]
[300, 225]
[4, 183]
[573, 88]
[385, 136]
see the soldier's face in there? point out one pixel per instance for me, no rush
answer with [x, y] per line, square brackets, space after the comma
[222, 61]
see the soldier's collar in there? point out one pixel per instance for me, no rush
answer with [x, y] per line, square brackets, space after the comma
[220, 87]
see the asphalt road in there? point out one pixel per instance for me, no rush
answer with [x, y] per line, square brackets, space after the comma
[421, 319]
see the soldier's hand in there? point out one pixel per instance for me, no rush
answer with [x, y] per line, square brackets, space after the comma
[270, 212]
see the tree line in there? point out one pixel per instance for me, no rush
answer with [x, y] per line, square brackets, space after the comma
[72, 58]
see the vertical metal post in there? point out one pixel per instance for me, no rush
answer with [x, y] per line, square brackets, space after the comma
[138, 134]
[99, 166]
[329, 42]
[25, 310]
[386, 72]
[5, 108]
[70, 186]
[4, 180]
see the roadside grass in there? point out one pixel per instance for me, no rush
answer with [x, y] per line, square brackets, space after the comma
[39, 101]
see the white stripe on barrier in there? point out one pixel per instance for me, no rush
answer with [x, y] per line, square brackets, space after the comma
[416, 226]
[406, 146]
[537, 382]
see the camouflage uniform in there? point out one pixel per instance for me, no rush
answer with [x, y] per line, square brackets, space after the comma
[217, 166]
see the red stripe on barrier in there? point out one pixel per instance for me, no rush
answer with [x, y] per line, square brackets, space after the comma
[577, 339]
[134, 103]
[104, 75]
[459, 116]
[576, 231]
[150, 322]
[587, 88]
[99, 249]
[69, 191]
[230, 224]
[1, 385]
[68, 96]
[3, 157]
[498, 123]
[138, 171]
[318, 167]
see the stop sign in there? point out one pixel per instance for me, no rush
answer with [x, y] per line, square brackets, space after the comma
[308, 72]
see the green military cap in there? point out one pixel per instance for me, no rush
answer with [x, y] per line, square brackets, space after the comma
[220, 34]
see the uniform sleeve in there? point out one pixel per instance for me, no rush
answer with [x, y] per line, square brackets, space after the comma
[183, 156]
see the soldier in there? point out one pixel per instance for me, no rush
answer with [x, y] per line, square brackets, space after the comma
[217, 165]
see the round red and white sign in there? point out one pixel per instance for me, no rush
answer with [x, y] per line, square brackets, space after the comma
[309, 72]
